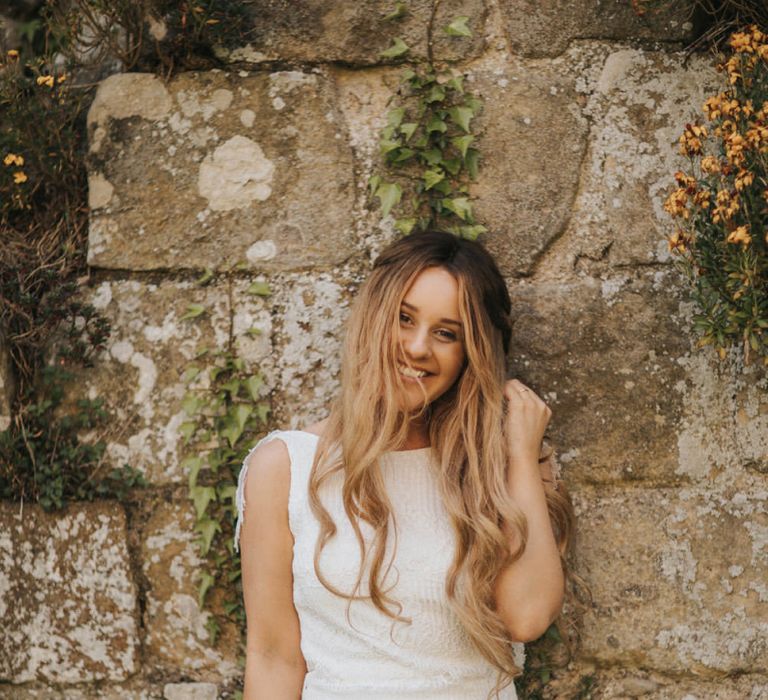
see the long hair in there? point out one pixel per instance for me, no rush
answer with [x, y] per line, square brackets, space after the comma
[465, 428]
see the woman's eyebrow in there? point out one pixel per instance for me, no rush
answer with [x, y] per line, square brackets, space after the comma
[411, 307]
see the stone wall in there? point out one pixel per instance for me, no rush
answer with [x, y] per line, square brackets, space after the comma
[264, 166]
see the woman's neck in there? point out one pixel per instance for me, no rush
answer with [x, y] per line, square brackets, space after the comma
[418, 436]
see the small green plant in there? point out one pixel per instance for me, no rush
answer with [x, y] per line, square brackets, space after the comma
[225, 415]
[721, 205]
[428, 147]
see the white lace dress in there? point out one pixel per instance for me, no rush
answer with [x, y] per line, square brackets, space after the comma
[365, 655]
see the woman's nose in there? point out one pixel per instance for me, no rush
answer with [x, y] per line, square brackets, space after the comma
[417, 344]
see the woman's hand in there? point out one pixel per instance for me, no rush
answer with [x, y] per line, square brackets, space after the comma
[526, 422]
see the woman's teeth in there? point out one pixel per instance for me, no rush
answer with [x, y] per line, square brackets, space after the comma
[408, 372]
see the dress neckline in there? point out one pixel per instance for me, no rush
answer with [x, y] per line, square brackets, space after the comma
[416, 451]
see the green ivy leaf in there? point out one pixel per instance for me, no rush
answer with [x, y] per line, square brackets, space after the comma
[190, 373]
[389, 195]
[191, 404]
[436, 124]
[473, 103]
[207, 529]
[226, 492]
[193, 311]
[461, 116]
[395, 116]
[462, 143]
[193, 464]
[387, 145]
[407, 130]
[230, 430]
[472, 232]
[405, 226]
[398, 48]
[432, 177]
[206, 581]
[187, 430]
[262, 411]
[232, 386]
[201, 497]
[433, 156]
[472, 161]
[401, 155]
[458, 27]
[259, 287]
[373, 183]
[435, 94]
[206, 277]
[458, 205]
[253, 384]
[457, 84]
[401, 10]
[452, 165]
[240, 413]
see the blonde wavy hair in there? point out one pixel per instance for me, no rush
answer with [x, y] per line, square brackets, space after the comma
[465, 428]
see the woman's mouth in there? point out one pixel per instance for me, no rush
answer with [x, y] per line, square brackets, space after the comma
[411, 373]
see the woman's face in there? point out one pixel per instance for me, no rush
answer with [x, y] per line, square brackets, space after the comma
[431, 337]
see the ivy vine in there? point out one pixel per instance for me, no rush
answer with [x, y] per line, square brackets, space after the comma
[428, 146]
[225, 414]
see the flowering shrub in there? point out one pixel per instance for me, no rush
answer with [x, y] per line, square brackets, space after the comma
[721, 204]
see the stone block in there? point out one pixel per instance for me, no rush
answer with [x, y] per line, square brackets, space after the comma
[218, 169]
[68, 602]
[177, 637]
[532, 143]
[134, 689]
[190, 691]
[678, 576]
[637, 102]
[605, 356]
[354, 33]
[546, 27]
[140, 373]
[627, 683]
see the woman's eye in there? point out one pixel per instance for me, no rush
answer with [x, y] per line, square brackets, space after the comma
[447, 335]
[404, 318]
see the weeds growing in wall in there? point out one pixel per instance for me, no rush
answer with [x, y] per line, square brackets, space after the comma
[720, 204]
[45, 328]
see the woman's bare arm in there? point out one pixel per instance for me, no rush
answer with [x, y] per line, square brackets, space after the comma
[529, 592]
[274, 667]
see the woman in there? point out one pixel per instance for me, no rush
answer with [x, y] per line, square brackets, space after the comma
[427, 470]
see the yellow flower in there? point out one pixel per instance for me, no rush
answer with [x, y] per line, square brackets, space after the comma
[13, 159]
[741, 42]
[13, 53]
[757, 135]
[46, 80]
[676, 204]
[710, 165]
[744, 178]
[734, 148]
[678, 241]
[687, 182]
[691, 140]
[61, 78]
[740, 235]
[727, 206]
[712, 107]
[19, 177]
[701, 199]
